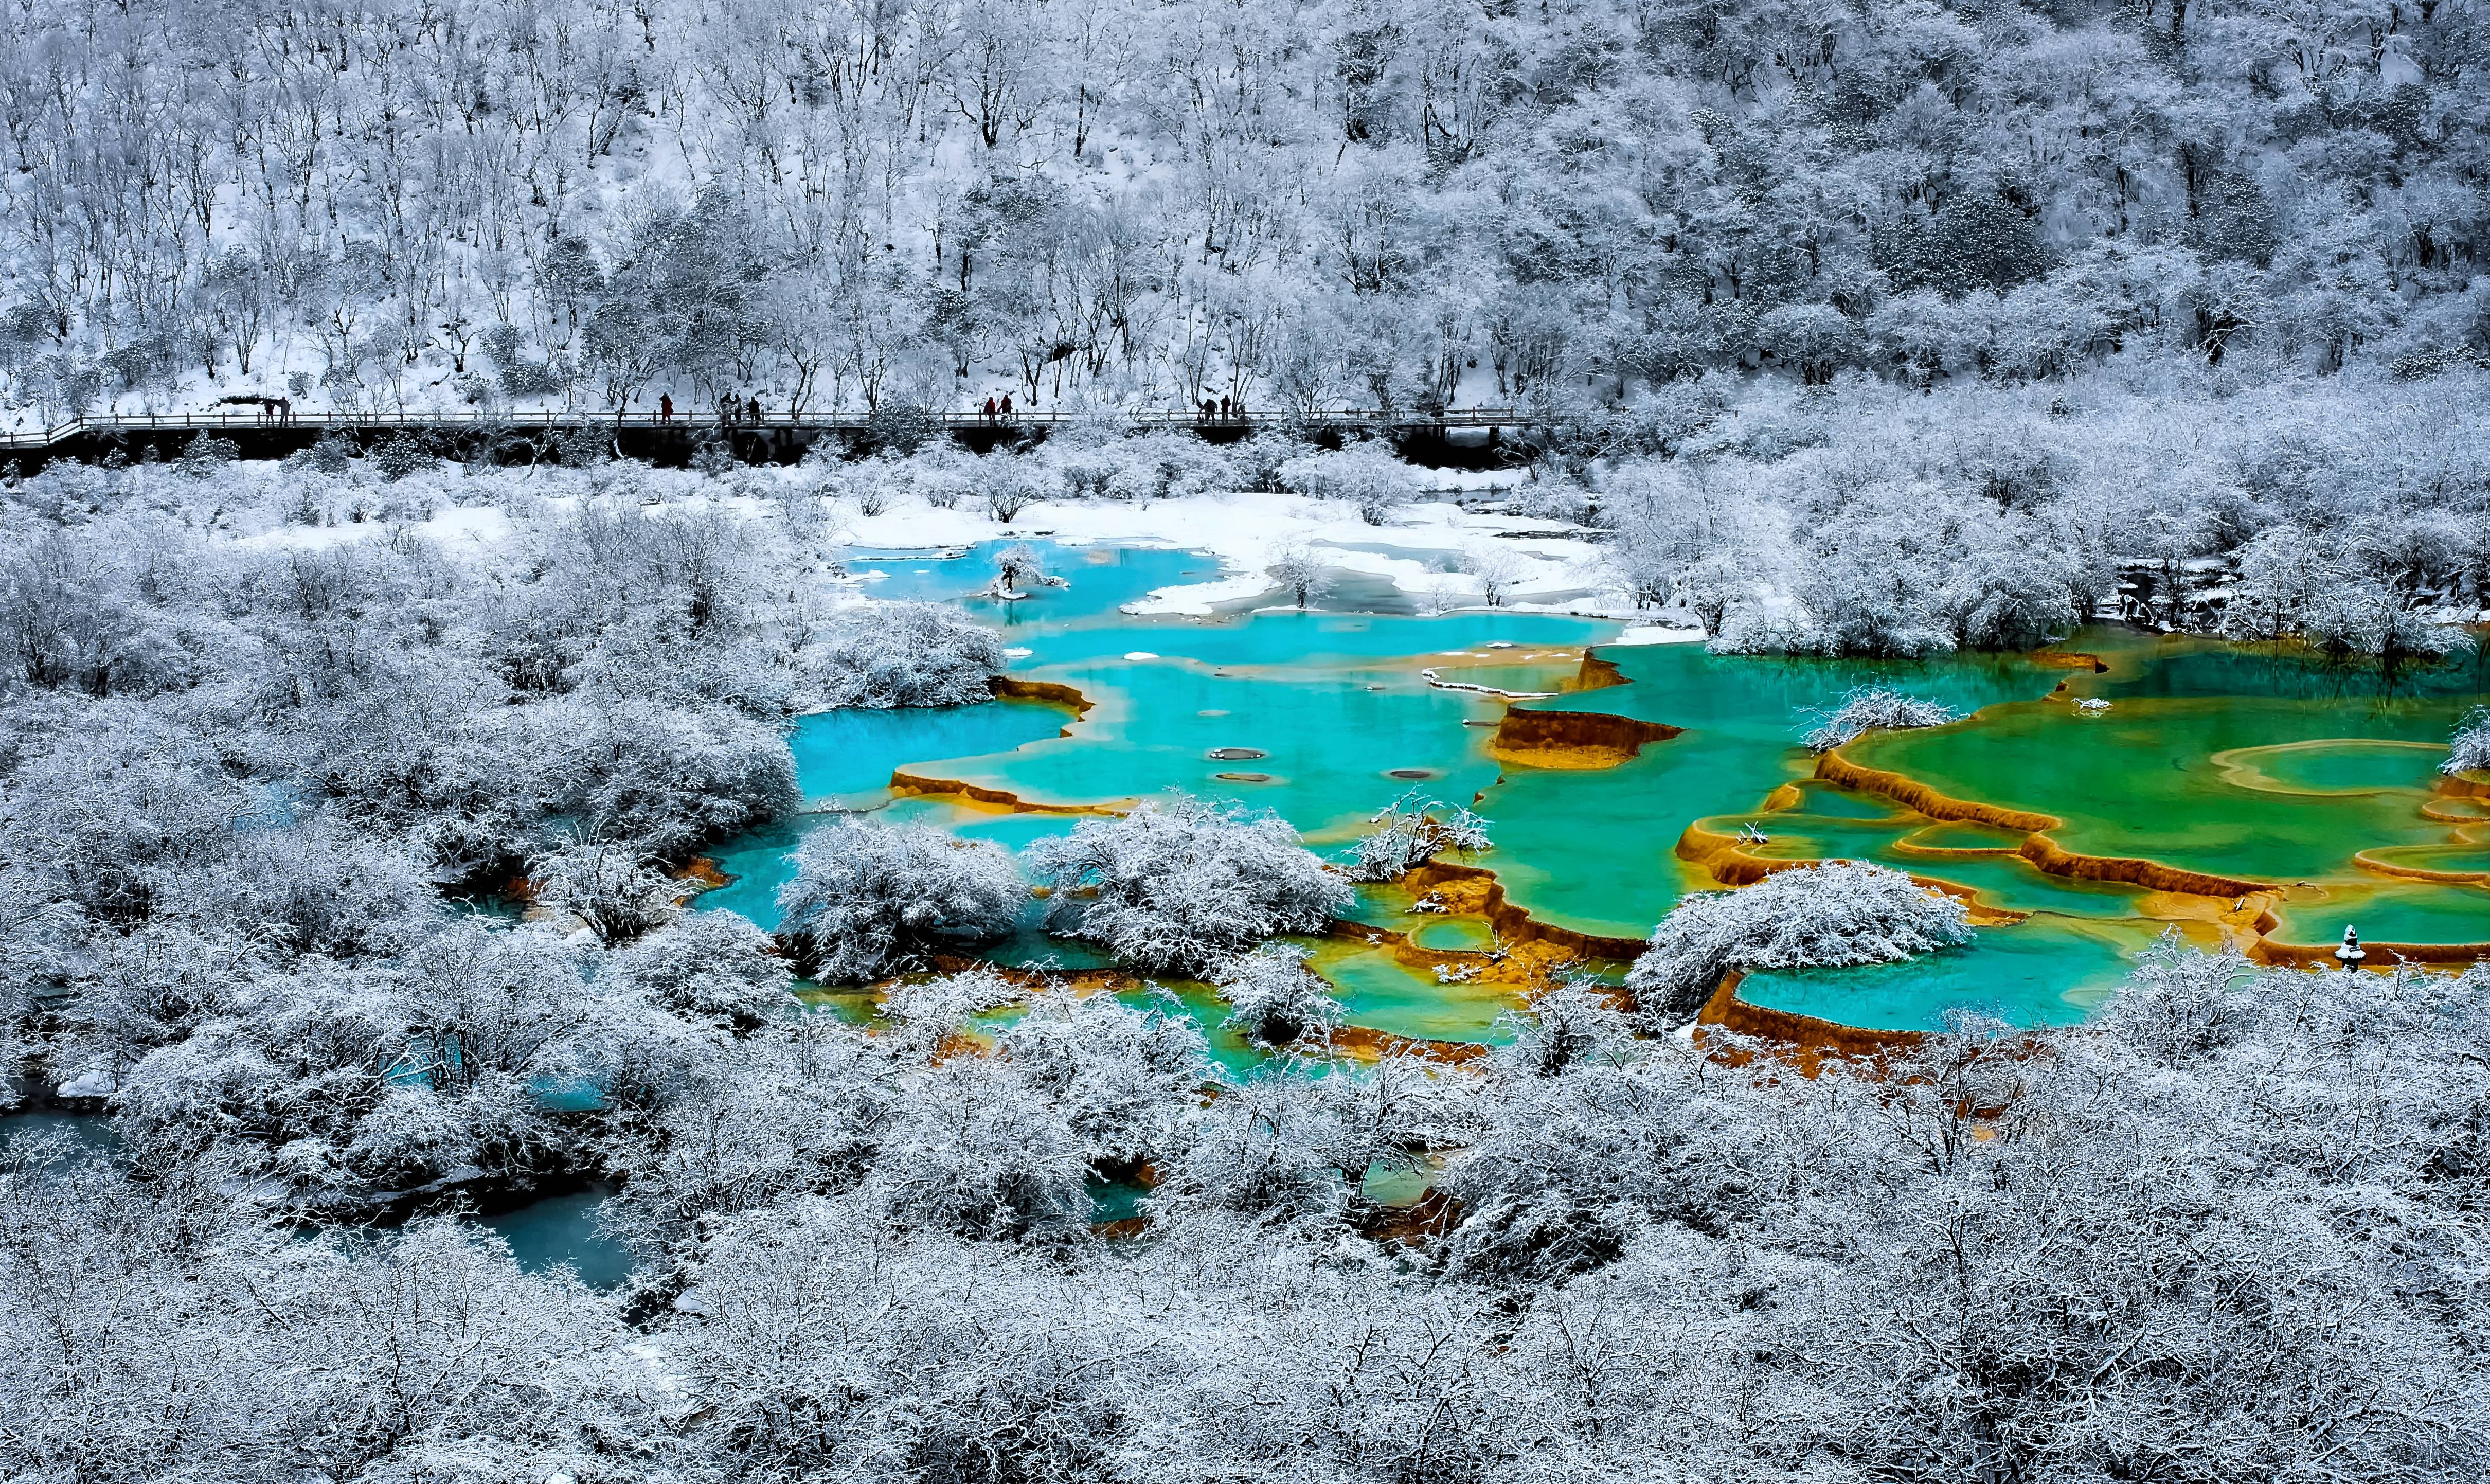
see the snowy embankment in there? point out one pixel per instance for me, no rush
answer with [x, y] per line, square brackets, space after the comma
[1440, 554]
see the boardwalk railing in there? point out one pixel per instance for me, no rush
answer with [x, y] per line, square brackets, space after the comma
[228, 420]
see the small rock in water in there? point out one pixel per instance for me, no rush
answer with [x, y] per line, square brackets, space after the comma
[1409, 773]
[1242, 778]
[1236, 754]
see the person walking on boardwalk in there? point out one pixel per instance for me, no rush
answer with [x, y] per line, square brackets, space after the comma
[1007, 407]
[755, 405]
[665, 407]
[1223, 408]
[990, 409]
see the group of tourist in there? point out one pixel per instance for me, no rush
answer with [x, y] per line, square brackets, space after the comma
[733, 410]
[744, 410]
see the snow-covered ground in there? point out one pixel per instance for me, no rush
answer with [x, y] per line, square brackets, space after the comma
[1433, 551]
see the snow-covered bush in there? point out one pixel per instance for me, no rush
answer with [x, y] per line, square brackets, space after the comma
[1408, 834]
[1285, 1147]
[1184, 885]
[2329, 594]
[1872, 708]
[1499, 570]
[1274, 1000]
[978, 1153]
[1299, 571]
[615, 891]
[2471, 745]
[667, 778]
[2364, 619]
[1019, 568]
[713, 965]
[1366, 474]
[2009, 597]
[879, 655]
[1834, 915]
[926, 1012]
[1121, 1077]
[868, 901]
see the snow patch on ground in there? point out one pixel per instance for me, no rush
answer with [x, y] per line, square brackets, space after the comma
[1432, 550]
[455, 526]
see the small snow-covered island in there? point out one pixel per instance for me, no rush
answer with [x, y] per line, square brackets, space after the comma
[1174, 743]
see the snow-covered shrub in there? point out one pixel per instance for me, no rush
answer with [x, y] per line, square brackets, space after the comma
[2364, 619]
[2009, 597]
[928, 1011]
[1555, 497]
[977, 1153]
[714, 965]
[1009, 483]
[399, 455]
[878, 655]
[1298, 571]
[1408, 834]
[1570, 1025]
[872, 485]
[670, 779]
[1285, 1147]
[2471, 745]
[207, 454]
[1018, 568]
[1833, 914]
[1121, 1077]
[1181, 887]
[614, 890]
[2326, 593]
[867, 901]
[1366, 474]
[1497, 568]
[1274, 1000]
[1870, 709]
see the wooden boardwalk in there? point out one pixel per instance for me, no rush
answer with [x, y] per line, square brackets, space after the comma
[261, 435]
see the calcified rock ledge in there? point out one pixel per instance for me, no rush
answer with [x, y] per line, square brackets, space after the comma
[2381, 955]
[1011, 688]
[1475, 890]
[2037, 848]
[1803, 1041]
[1731, 863]
[906, 784]
[1573, 740]
[2047, 855]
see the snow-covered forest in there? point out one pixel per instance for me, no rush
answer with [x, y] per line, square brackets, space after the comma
[1383, 203]
[351, 806]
